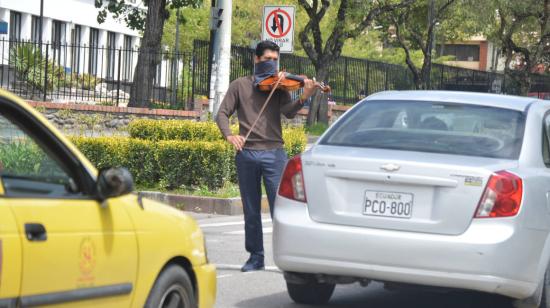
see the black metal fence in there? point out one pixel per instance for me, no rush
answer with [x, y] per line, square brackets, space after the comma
[65, 72]
[352, 78]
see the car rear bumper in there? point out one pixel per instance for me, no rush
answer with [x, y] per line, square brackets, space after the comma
[491, 256]
[206, 283]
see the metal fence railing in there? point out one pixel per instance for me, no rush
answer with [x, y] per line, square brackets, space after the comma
[352, 78]
[99, 74]
[65, 72]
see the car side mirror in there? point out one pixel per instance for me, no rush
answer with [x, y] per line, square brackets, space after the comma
[114, 182]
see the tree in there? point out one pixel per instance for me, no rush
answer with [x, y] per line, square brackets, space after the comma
[523, 31]
[414, 27]
[348, 21]
[152, 25]
[194, 25]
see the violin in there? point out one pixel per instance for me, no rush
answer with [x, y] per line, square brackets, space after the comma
[283, 81]
[288, 82]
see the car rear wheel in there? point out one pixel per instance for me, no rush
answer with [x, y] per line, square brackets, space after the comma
[310, 293]
[173, 288]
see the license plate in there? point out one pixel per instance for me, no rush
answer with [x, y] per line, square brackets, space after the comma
[388, 204]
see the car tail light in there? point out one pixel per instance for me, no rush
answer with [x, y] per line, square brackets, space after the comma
[502, 196]
[292, 182]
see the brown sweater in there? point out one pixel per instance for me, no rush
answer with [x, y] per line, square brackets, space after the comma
[243, 97]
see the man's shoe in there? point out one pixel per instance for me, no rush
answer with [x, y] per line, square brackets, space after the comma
[254, 263]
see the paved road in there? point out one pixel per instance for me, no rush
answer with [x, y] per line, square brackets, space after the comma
[225, 244]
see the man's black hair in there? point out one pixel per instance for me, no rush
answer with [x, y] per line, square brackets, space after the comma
[266, 45]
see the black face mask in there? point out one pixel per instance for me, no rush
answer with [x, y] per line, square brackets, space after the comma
[264, 70]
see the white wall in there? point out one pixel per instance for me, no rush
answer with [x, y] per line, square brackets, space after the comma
[81, 12]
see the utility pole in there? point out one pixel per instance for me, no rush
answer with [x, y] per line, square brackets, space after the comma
[214, 12]
[175, 60]
[41, 22]
[221, 55]
[222, 79]
[431, 40]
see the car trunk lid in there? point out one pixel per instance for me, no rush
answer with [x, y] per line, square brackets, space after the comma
[397, 190]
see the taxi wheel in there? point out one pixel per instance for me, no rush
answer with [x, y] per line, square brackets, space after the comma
[311, 293]
[173, 288]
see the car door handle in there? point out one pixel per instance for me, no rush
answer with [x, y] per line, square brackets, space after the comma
[35, 232]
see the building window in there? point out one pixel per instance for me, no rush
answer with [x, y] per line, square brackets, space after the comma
[111, 51]
[75, 48]
[461, 52]
[94, 44]
[35, 29]
[58, 34]
[58, 38]
[158, 74]
[128, 58]
[15, 26]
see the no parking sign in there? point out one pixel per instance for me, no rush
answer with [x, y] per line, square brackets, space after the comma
[278, 26]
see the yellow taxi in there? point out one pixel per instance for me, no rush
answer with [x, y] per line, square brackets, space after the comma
[71, 236]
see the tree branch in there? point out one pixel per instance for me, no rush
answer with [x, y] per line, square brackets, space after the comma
[337, 37]
[405, 47]
[375, 13]
[313, 26]
[307, 45]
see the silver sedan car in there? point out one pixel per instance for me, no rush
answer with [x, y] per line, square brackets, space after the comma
[433, 188]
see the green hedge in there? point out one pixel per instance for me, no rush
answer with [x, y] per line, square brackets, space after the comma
[170, 163]
[174, 130]
[156, 130]
[139, 156]
[174, 154]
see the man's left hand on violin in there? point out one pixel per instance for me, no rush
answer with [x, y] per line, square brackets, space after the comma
[309, 89]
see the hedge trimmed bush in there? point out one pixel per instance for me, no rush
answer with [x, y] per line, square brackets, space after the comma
[170, 163]
[174, 130]
[157, 130]
[139, 156]
[175, 153]
[194, 163]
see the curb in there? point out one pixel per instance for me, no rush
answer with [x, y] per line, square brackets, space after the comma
[198, 204]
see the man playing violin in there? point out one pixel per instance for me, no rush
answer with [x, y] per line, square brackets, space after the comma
[262, 154]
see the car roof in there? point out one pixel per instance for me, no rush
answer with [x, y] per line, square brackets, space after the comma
[472, 98]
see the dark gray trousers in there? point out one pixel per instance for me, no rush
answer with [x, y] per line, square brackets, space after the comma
[252, 166]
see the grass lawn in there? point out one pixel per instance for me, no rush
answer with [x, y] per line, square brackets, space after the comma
[316, 129]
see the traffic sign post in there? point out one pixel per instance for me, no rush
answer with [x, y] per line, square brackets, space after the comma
[278, 26]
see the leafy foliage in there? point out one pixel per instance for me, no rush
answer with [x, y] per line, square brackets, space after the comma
[414, 27]
[24, 158]
[522, 30]
[176, 154]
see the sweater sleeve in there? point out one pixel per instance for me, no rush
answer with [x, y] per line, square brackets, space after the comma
[288, 107]
[227, 108]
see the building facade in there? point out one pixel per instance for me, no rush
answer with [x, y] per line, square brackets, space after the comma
[475, 53]
[72, 36]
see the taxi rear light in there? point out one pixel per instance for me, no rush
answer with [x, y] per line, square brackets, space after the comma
[292, 182]
[502, 196]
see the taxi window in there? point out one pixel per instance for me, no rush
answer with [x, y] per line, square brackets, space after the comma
[27, 169]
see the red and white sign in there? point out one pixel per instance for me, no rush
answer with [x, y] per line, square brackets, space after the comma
[278, 26]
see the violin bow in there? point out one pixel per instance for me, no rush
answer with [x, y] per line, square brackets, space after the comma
[263, 107]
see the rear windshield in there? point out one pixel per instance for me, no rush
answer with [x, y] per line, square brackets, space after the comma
[431, 127]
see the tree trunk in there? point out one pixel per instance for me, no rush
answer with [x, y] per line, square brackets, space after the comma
[141, 90]
[524, 84]
[317, 100]
[322, 115]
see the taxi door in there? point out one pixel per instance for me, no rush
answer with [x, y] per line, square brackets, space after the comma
[75, 250]
[10, 258]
